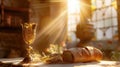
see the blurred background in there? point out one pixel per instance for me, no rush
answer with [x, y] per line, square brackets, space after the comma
[56, 22]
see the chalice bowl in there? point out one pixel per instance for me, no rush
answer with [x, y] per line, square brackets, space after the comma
[28, 32]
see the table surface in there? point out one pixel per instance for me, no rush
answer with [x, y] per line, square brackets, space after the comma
[89, 64]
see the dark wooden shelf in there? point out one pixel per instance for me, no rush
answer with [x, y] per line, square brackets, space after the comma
[14, 9]
[12, 16]
[11, 29]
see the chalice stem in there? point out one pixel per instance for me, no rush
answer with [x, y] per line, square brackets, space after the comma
[28, 57]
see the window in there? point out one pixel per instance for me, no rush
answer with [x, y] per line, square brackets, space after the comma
[104, 18]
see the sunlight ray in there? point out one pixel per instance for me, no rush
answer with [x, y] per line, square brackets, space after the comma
[51, 27]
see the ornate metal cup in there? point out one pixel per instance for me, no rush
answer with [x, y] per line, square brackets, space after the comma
[28, 32]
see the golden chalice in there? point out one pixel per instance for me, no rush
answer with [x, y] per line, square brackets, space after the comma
[28, 32]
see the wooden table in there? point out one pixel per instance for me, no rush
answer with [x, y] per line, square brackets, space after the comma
[102, 63]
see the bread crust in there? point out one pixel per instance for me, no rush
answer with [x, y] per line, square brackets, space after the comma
[83, 54]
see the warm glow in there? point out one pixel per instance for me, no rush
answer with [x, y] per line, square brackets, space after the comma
[73, 6]
[53, 27]
[73, 14]
[56, 26]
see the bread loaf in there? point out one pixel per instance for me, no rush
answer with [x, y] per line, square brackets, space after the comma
[83, 54]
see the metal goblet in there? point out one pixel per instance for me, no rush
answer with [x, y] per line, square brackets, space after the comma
[28, 32]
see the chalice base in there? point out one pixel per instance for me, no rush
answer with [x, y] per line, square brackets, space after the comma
[28, 58]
